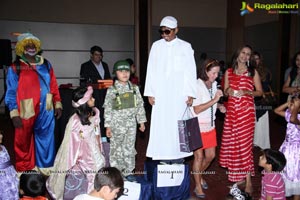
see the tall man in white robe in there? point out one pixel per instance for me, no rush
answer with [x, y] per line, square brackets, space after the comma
[170, 87]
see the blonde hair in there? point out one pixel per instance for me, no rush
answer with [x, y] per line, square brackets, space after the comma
[20, 46]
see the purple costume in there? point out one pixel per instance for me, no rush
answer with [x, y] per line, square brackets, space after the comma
[291, 148]
[8, 177]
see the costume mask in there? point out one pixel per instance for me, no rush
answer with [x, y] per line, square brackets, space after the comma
[30, 51]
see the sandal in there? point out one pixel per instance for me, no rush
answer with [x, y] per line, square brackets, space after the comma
[204, 185]
[201, 196]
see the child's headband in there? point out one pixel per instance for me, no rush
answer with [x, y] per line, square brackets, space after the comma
[87, 96]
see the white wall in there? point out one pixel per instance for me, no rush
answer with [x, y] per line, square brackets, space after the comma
[67, 46]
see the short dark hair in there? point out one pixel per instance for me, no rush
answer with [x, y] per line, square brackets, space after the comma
[96, 48]
[108, 176]
[275, 158]
[206, 66]
[32, 183]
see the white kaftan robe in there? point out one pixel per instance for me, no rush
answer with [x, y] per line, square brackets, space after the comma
[171, 78]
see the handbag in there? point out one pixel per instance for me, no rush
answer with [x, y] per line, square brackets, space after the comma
[76, 183]
[189, 133]
[269, 99]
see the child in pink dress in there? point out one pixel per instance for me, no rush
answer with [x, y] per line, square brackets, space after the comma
[81, 147]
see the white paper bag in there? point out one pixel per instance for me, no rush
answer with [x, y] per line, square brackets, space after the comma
[132, 191]
[170, 175]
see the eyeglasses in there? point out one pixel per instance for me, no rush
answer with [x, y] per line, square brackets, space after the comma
[166, 31]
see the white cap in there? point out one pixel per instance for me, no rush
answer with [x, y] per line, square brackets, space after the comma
[169, 22]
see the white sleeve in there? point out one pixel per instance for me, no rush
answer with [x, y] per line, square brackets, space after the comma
[150, 76]
[190, 77]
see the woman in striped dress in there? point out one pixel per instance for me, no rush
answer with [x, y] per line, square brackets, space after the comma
[238, 132]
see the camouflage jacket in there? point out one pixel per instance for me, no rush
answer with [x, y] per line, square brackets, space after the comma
[111, 116]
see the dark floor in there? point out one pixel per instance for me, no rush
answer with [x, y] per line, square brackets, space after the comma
[217, 181]
[218, 184]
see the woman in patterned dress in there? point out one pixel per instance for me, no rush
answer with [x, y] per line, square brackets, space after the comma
[242, 83]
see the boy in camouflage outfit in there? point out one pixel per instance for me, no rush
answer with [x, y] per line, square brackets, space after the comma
[123, 109]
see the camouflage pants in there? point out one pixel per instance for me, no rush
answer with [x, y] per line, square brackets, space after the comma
[122, 147]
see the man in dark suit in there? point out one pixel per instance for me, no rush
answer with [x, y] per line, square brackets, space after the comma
[92, 71]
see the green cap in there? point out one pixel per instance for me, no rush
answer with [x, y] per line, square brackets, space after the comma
[121, 65]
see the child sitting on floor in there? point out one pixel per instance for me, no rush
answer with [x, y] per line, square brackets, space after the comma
[32, 186]
[107, 185]
[272, 184]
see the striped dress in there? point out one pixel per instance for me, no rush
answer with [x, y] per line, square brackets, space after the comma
[237, 140]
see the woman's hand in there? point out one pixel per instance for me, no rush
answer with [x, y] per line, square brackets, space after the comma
[240, 93]
[189, 102]
[229, 91]
[237, 93]
[218, 95]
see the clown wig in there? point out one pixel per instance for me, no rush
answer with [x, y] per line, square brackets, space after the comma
[25, 39]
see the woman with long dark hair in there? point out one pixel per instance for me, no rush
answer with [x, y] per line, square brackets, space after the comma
[261, 134]
[292, 84]
[242, 83]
